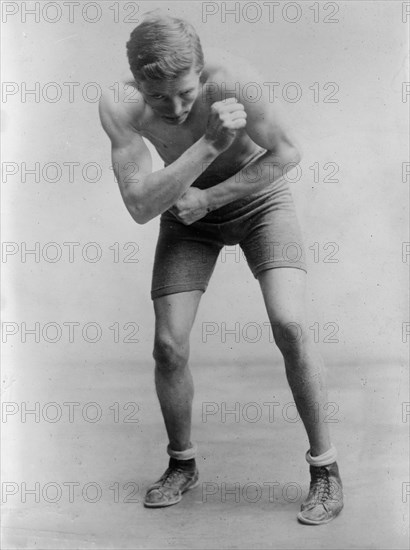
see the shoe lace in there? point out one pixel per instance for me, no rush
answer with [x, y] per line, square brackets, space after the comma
[320, 486]
[172, 475]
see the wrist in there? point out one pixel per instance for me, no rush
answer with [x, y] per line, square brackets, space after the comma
[208, 202]
[209, 148]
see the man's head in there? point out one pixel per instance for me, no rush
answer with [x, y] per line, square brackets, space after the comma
[166, 60]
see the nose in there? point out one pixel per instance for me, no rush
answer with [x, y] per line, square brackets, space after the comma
[176, 106]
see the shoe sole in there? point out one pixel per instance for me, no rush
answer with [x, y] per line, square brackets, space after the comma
[312, 522]
[171, 503]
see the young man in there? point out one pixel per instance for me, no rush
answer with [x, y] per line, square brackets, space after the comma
[225, 151]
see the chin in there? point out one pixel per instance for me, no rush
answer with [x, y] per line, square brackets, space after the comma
[177, 121]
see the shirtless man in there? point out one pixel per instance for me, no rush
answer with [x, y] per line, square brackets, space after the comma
[208, 130]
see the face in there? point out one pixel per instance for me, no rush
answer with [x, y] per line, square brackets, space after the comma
[172, 100]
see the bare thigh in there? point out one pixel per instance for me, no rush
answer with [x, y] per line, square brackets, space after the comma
[283, 291]
[174, 317]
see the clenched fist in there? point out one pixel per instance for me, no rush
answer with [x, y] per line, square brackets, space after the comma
[191, 206]
[224, 121]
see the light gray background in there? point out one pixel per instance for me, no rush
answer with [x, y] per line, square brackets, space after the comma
[365, 213]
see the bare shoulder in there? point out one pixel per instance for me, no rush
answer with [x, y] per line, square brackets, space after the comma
[121, 107]
[232, 75]
[223, 66]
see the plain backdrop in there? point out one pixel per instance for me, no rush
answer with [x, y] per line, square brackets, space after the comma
[358, 300]
[351, 194]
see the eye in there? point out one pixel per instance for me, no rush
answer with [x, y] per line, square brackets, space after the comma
[157, 96]
[187, 92]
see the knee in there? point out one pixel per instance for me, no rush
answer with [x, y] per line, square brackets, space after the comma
[291, 338]
[170, 353]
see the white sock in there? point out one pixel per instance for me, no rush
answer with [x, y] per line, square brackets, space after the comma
[183, 455]
[324, 459]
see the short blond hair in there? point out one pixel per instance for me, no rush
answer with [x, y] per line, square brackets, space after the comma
[162, 47]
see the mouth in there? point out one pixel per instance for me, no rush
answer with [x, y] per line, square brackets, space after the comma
[176, 119]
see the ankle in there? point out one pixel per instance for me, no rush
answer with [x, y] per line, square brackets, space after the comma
[185, 465]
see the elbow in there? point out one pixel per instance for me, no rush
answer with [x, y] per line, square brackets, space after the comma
[299, 156]
[139, 220]
[143, 220]
[138, 212]
[290, 157]
[295, 155]
[139, 215]
[136, 207]
[287, 155]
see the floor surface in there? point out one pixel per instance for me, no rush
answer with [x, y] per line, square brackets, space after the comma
[92, 460]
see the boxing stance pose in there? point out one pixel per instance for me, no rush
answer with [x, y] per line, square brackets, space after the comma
[225, 152]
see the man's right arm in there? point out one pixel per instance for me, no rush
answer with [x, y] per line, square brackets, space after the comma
[147, 194]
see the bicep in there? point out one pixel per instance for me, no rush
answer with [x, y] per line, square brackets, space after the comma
[131, 159]
[266, 126]
[265, 123]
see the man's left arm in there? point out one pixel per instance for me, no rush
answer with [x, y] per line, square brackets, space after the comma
[264, 170]
[266, 127]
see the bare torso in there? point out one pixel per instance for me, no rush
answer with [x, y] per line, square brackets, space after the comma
[172, 141]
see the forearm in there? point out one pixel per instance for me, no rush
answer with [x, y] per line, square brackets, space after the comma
[159, 190]
[257, 175]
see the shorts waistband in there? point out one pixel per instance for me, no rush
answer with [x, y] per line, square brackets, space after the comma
[272, 194]
[205, 181]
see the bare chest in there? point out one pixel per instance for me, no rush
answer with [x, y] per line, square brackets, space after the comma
[171, 142]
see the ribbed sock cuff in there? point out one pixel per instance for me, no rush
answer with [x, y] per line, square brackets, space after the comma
[324, 459]
[185, 465]
[183, 455]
